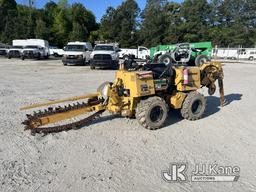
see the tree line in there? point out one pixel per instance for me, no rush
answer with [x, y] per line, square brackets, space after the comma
[224, 22]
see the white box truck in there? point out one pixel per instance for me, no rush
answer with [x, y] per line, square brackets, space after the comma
[139, 53]
[36, 48]
[247, 54]
[225, 53]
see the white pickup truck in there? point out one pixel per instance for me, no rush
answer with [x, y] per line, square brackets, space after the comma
[105, 56]
[139, 53]
[56, 52]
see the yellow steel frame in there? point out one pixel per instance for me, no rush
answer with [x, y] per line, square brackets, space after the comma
[66, 115]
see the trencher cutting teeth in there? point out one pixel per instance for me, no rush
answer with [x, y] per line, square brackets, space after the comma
[57, 110]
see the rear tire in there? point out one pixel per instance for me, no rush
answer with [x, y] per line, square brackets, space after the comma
[193, 106]
[152, 112]
[92, 67]
[126, 57]
[201, 59]
[251, 58]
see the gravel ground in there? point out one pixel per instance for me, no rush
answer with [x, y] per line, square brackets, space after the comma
[116, 154]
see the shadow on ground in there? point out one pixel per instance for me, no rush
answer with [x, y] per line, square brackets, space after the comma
[174, 116]
[212, 107]
[213, 103]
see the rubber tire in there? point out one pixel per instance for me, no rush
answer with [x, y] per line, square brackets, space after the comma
[126, 57]
[251, 58]
[166, 57]
[9, 57]
[39, 56]
[116, 66]
[65, 64]
[92, 67]
[201, 59]
[186, 110]
[143, 112]
[22, 58]
[84, 62]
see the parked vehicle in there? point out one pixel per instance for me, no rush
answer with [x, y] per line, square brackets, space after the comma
[36, 48]
[225, 53]
[247, 54]
[235, 53]
[17, 48]
[15, 52]
[56, 52]
[184, 53]
[105, 56]
[77, 53]
[139, 53]
[4, 49]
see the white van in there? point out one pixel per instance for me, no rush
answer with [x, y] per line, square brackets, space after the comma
[77, 53]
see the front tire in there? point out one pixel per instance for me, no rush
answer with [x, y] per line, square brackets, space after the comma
[152, 112]
[166, 59]
[92, 67]
[38, 56]
[193, 106]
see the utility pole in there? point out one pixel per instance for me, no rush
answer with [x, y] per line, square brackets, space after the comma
[31, 3]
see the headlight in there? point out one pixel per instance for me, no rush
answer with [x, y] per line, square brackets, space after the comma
[91, 56]
[103, 89]
[113, 56]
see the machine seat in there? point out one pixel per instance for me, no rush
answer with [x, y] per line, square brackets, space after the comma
[160, 70]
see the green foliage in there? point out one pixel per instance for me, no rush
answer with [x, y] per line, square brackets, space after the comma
[154, 23]
[224, 22]
[120, 24]
[41, 31]
[56, 22]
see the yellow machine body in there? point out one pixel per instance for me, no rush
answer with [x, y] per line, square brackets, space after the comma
[141, 84]
[193, 79]
[130, 88]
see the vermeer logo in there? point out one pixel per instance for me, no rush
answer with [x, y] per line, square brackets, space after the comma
[201, 173]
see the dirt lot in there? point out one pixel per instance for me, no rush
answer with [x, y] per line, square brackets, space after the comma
[116, 154]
